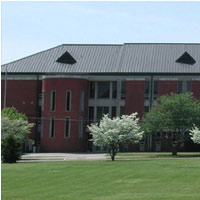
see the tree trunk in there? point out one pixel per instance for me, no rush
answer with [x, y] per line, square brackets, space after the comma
[113, 156]
[174, 150]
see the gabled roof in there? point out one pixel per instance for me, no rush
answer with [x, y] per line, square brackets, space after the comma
[126, 58]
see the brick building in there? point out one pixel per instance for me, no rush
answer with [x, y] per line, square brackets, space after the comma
[67, 87]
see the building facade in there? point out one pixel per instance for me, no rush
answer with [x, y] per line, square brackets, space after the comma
[65, 88]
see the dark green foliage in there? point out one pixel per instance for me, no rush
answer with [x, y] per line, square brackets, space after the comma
[175, 113]
[11, 149]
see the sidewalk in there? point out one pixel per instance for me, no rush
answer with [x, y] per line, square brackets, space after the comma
[33, 157]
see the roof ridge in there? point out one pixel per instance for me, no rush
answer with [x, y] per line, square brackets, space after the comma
[92, 44]
[32, 55]
[164, 43]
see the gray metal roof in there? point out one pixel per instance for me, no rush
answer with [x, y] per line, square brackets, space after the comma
[126, 58]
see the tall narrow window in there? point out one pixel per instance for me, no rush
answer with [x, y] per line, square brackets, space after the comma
[101, 111]
[82, 102]
[103, 89]
[123, 90]
[155, 89]
[146, 89]
[180, 87]
[53, 100]
[114, 113]
[52, 128]
[81, 128]
[67, 127]
[91, 114]
[68, 101]
[114, 89]
[92, 90]
[122, 110]
[189, 86]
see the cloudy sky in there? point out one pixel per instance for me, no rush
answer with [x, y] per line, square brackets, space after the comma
[30, 27]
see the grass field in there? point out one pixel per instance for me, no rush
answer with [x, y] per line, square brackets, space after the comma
[174, 179]
[156, 155]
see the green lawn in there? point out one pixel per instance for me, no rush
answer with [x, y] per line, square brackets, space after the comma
[172, 179]
[156, 155]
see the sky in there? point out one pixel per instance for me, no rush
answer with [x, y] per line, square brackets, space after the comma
[30, 27]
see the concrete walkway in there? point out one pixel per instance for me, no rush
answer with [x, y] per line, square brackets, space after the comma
[29, 157]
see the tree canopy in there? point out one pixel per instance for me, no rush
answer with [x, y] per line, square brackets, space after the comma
[175, 113]
[111, 133]
[15, 130]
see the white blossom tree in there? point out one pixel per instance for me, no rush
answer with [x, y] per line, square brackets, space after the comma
[111, 133]
[195, 133]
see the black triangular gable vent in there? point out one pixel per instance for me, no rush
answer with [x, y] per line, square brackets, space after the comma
[66, 58]
[186, 58]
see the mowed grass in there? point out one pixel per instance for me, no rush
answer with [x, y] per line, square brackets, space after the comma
[168, 179]
[156, 155]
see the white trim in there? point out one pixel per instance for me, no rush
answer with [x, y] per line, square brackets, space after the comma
[69, 128]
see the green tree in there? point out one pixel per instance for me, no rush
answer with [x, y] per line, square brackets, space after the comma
[176, 114]
[15, 130]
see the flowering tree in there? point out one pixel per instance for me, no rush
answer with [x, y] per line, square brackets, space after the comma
[195, 133]
[15, 130]
[111, 133]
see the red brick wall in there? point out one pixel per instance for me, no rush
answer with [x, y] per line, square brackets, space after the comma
[59, 143]
[134, 100]
[167, 87]
[22, 94]
[196, 89]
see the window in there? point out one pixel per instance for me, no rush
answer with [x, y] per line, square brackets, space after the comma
[155, 89]
[52, 127]
[184, 86]
[103, 89]
[68, 101]
[114, 113]
[146, 109]
[123, 92]
[67, 127]
[101, 111]
[146, 89]
[92, 90]
[91, 114]
[81, 128]
[82, 102]
[122, 110]
[180, 87]
[114, 89]
[53, 100]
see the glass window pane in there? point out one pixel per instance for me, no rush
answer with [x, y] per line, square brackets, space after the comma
[67, 127]
[155, 87]
[68, 101]
[123, 90]
[51, 128]
[114, 111]
[146, 89]
[103, 89]
[92, 90]
[53, 100]
[122, 110]
[114, 89]
[91, 114]
[180, 87]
